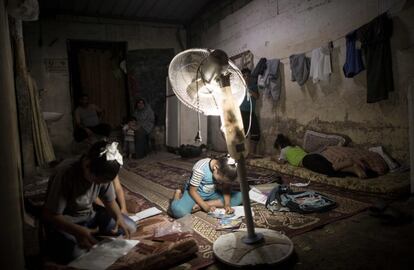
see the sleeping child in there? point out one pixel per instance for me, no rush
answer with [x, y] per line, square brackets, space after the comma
[316, 162]
[208, 187]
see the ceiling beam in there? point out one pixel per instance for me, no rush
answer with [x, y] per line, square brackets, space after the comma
[53, 12]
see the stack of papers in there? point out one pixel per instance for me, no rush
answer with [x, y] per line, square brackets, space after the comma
[257, 196]
[145, 214]
[104, 254]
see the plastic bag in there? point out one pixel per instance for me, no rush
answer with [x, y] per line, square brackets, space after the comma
[181, 225]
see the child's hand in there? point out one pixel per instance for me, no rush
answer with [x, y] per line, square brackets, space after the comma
[210, 209]
[84, 238]
[228, 209]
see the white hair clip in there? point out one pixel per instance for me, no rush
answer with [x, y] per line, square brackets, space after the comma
[231, 161]
[112, 153]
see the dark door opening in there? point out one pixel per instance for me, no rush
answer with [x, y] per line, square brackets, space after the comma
[147, 73]
[96, 70]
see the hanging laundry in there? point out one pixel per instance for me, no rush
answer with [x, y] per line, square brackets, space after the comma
[299, 64]
[271, 80]
[353, 63]
[260, 68]
[320, 67]
[375, 38]
[247, 60]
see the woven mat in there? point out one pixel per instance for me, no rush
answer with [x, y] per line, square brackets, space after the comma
[156, 182]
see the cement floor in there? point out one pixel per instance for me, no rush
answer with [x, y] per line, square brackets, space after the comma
[358, 242]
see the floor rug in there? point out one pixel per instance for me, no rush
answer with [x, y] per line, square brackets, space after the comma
[156, 182]
[136, 203]
[174, 172]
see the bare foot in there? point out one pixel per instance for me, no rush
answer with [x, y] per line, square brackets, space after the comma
[359, 171]
[178, 194]
[196, 208]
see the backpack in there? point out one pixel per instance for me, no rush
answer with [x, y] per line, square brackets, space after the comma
[282, 198]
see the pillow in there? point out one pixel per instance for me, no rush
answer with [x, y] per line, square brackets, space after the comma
[316, 141]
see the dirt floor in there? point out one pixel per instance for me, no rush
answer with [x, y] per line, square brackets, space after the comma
[358, 242]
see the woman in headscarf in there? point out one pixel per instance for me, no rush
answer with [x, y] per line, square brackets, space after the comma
[145, 119]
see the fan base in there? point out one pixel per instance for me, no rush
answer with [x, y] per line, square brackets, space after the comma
[231, 249]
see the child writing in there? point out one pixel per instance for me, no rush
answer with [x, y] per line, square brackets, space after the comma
[71, 222]
[129, 134]
[201, 190]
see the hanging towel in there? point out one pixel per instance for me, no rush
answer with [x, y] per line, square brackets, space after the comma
[353, 63]
[272, 81]
[259, 69]
[299, 64]
[375, 39]
[320, 67]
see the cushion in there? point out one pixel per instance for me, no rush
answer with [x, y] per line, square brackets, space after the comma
[370, 159]
[316, 141]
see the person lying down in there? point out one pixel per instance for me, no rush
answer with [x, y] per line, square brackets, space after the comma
[316, 162]
[208, 188]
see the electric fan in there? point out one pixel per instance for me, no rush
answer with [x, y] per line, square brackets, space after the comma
[208, 82]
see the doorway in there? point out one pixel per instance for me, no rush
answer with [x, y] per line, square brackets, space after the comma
[147, 73]
[97, 68]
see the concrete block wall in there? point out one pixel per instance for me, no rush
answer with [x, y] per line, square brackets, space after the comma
[279, 28]
[46, 39]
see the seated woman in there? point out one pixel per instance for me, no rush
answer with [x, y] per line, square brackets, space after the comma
[202, 189]
[87, 120]
[71, 221]
[316, 162]
[145, 123]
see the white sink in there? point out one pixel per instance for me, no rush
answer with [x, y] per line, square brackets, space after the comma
[52, 116]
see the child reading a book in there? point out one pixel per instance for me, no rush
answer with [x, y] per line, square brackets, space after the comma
[208, 187]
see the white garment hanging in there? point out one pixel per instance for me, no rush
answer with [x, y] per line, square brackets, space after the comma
[320, 68]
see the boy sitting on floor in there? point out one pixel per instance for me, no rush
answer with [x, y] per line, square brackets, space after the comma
[201, 189]
[70, 219]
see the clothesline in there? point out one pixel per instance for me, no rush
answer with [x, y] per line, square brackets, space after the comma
[309, 51]
[287, 57]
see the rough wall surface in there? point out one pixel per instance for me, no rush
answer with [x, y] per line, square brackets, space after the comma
[45, 42]
[277, 29]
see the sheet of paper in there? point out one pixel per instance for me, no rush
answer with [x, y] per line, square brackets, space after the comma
[104, 254]
[257, 196]
[146, 213]
[239, 212]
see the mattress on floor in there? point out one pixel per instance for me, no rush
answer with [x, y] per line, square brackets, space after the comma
[389, 183]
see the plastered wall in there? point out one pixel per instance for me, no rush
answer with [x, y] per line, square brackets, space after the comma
[277, 29]
[45, 43]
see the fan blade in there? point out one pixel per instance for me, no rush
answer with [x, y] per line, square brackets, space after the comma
[193, 88]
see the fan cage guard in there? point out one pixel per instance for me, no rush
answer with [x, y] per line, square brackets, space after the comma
[187, 84]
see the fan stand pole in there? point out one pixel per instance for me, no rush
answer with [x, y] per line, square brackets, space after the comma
[252, 237]
[258, 246]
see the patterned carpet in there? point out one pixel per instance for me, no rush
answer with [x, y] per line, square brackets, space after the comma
[156, 182]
